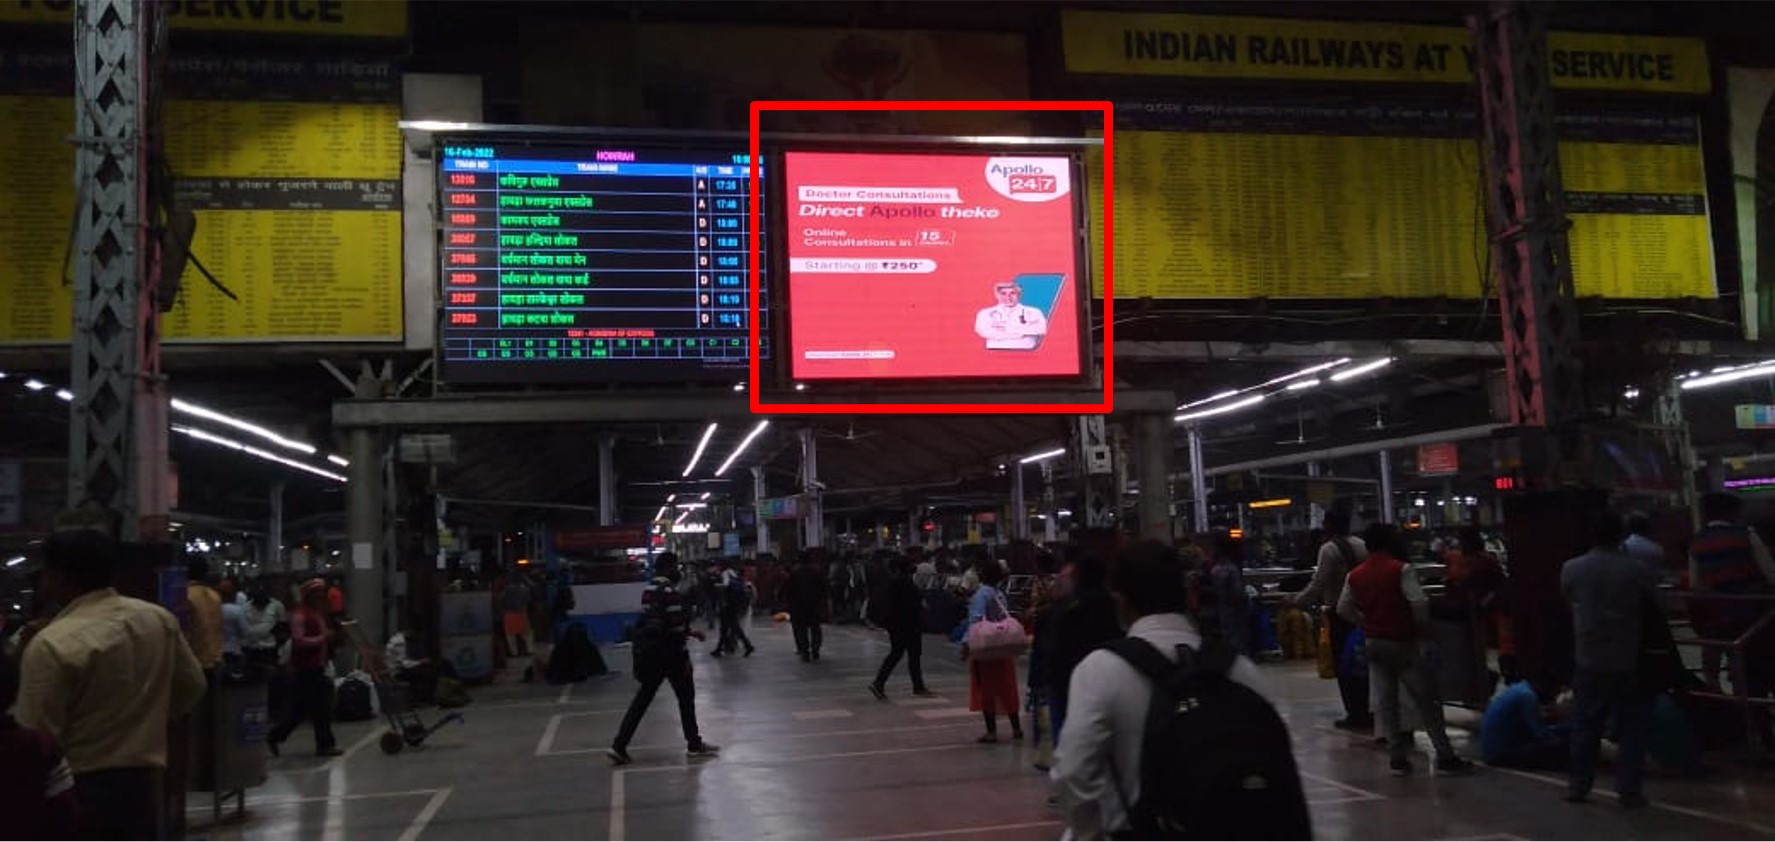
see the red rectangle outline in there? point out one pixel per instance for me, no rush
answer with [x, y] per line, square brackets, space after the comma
[1108, 405]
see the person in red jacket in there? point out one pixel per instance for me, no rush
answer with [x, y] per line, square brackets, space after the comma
[311, 690]
[1383, 597]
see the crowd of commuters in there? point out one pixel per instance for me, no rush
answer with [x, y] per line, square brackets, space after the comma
[1086, 702]
[90, 682]
[1113, 633]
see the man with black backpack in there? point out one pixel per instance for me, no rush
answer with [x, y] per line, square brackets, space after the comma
[1167, 738]
[660, 656]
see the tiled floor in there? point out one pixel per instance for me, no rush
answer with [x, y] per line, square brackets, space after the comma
[808, 753]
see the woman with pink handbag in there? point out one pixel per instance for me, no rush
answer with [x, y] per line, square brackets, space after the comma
[993, 642]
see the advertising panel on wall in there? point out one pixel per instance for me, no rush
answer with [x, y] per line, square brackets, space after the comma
[927, 266]
[1348, 166]
[1750, 92]
[291, 163]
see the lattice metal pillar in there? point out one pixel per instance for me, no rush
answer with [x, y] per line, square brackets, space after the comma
[1095, 463]
[118, 423]
[1526, 204]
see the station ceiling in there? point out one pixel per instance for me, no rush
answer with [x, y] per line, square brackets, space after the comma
[866, 463]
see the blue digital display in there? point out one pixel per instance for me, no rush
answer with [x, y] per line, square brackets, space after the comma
[590, 264]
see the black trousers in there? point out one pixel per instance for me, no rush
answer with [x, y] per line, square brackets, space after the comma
[909, 643]
[682, 687]
[808, 635]
[1353, 688]
[121, 803]
[732, 635]
[311, 700]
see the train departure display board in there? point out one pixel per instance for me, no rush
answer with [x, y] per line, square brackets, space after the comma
[1221, 200]
[906, 266]
[586, 264]
[292, 165]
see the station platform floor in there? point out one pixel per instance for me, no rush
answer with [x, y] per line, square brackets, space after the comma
[808, 753]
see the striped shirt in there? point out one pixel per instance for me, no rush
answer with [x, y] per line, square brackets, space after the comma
[663, 599]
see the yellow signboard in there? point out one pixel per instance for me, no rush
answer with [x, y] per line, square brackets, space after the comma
[298, 215]
[1206, 215]
[1118, 43]
[321, 18]
[284, 139]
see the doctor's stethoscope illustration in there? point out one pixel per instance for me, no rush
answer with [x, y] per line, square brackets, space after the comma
[1010, 325]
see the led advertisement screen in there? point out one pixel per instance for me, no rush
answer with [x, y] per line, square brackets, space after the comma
[917, 266]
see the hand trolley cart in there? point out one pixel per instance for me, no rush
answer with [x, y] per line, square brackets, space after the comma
[405, 726]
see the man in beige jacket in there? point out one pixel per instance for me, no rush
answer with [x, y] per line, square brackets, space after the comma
[104, 678]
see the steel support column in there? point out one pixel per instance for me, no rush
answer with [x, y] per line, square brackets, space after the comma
[1050, 513]
[607, 480]
[1198, 483]
[1315, 512]
[363, 519]
[1153, 440]
[758, 495]
[1019, 507]
[117, 426]
[814, 515]
[1526, 206]
[274, 530]
[1385, 464]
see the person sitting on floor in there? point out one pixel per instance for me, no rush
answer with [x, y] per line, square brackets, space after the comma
[419, 674]
[575, 658]
[1515, 732]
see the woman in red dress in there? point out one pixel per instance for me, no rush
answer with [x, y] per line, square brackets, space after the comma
[992, 684]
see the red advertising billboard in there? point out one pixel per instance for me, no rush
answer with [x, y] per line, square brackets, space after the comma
[923, 266]
[1439, 460]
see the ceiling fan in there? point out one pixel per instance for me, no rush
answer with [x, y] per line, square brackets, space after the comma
[1300, 432]
[850, 433]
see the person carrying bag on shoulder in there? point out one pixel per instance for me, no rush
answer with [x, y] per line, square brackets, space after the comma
[993, 641]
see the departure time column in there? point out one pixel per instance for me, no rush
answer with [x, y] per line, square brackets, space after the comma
[730, 245]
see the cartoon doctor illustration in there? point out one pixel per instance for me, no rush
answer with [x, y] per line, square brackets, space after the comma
[1008, 325]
